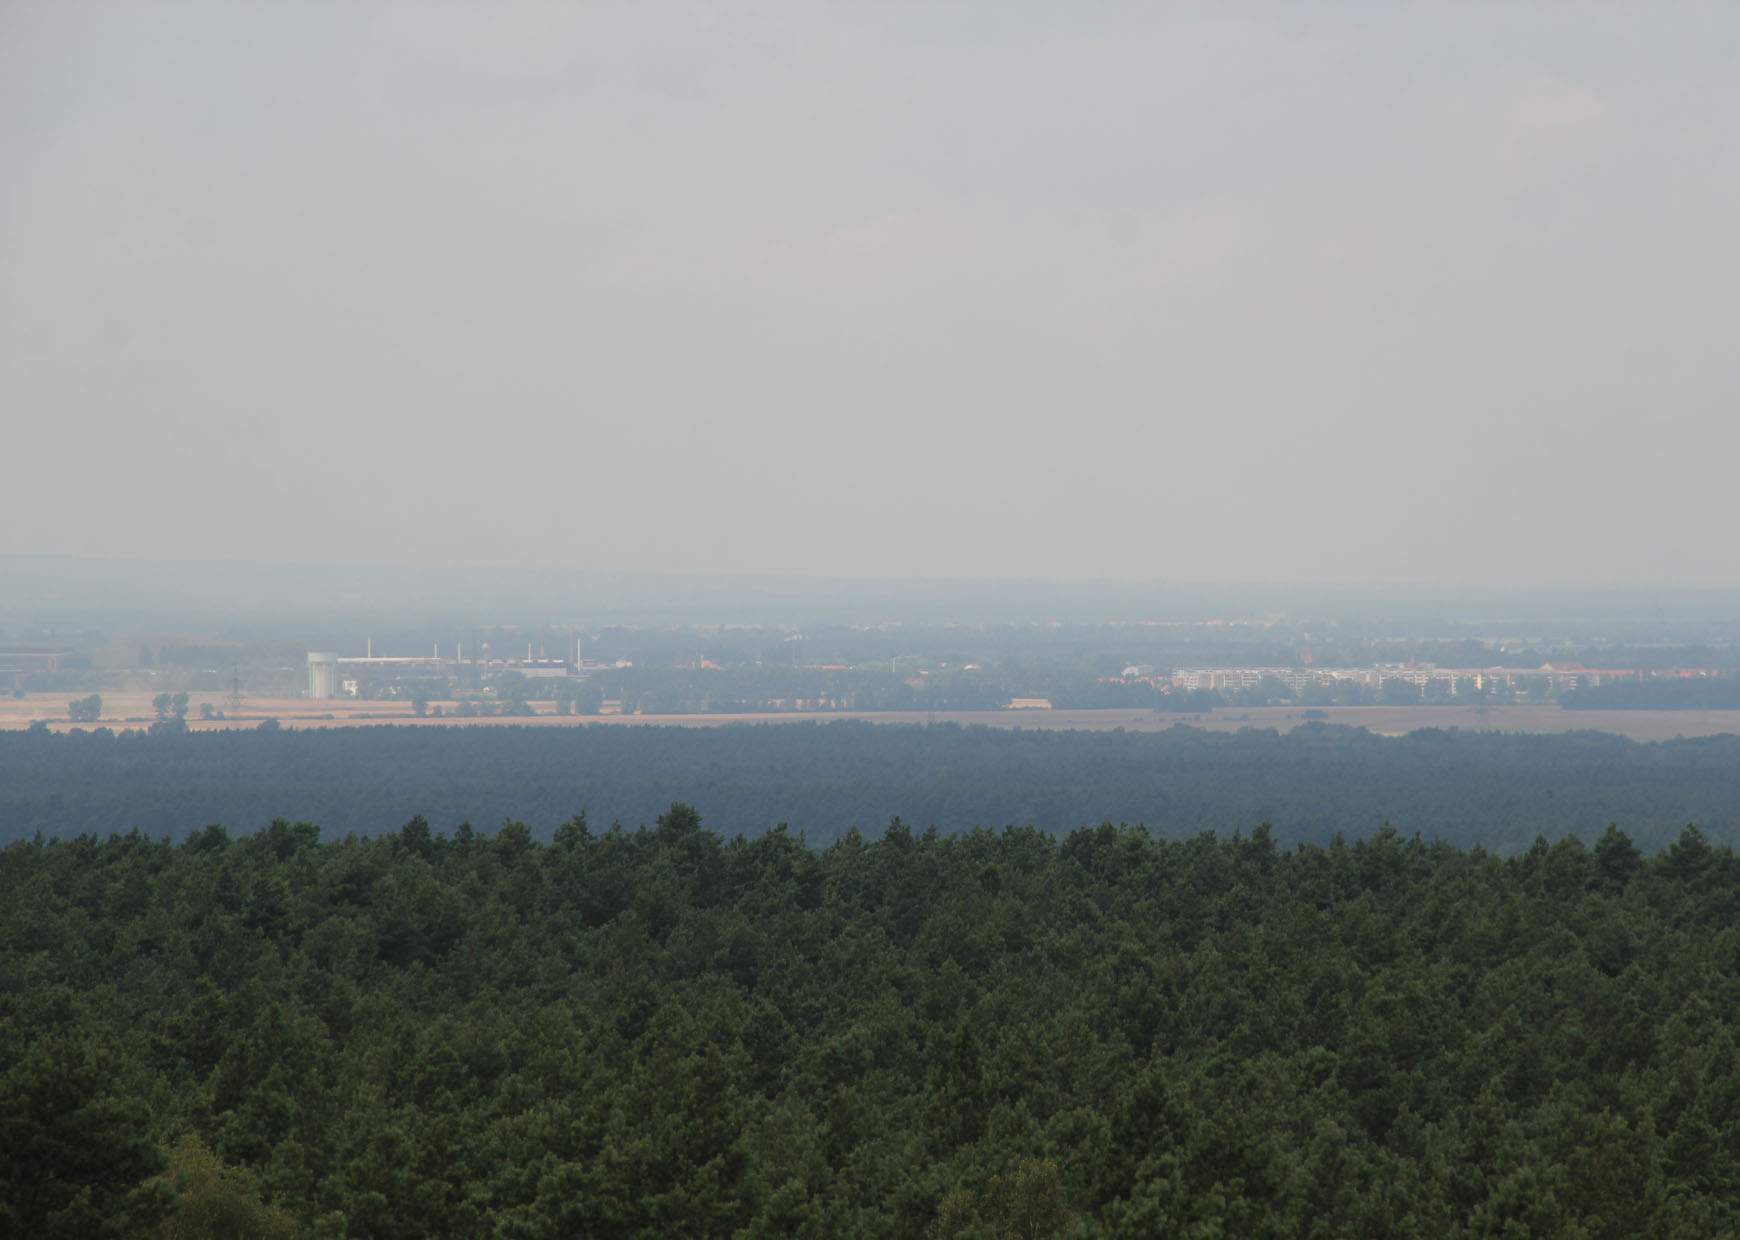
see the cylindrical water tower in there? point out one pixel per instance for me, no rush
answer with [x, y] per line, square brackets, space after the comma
[322, 674]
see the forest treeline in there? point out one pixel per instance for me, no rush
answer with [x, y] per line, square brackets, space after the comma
[660, 1032]
[1687, 693]
[1495, 790]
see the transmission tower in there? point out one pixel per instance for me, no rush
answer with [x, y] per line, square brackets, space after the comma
[234, 701]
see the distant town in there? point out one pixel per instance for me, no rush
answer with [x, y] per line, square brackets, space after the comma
[91, 677]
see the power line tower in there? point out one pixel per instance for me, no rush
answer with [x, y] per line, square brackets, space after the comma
[234, 701]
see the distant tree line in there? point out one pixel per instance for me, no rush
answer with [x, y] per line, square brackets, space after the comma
[1690, 693]
[1473, 788]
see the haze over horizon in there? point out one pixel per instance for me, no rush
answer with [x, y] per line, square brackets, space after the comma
[961, 292]
[530, 565]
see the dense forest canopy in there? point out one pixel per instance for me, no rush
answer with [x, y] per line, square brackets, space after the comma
[1495, 790]
[662, 1033]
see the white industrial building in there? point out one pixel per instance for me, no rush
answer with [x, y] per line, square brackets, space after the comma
[331, 675]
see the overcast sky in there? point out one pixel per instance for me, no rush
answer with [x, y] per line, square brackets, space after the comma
[1245, 292]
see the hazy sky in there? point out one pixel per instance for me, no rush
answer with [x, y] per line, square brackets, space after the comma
[1259, 292]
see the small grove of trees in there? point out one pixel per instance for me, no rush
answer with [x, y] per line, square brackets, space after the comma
[85, 709]
[1024, 1203]
[212, 1201]
[171, 714]
[578, 698]
[513, 693]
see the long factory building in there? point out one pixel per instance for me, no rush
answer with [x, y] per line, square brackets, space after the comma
[333, 675]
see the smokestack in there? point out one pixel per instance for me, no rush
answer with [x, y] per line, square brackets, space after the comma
[371, 647]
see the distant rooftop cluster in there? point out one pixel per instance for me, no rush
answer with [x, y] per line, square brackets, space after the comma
[1424, 675]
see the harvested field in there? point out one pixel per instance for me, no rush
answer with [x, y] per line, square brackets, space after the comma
[123, 710]
[131, 709]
